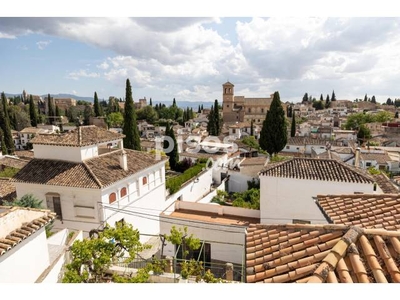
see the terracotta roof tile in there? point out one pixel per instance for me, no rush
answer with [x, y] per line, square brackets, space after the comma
[316, 169]
[13, 162]
[368, 210]
[351, 254]
[7, 190]
[94, 173]
[17, 235]
[89, 135]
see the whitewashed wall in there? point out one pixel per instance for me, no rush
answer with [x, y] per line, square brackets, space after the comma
[60, 152]
[194, 191]
[285, 199]
[26, 261]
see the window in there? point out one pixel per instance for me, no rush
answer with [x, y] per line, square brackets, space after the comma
[368, 164]
[53, 202]
[249, 109]
[123, 192]
[287, 147]
[227, 105]
[144, 180]
[112, 198]
[262, 110]
[297, 221]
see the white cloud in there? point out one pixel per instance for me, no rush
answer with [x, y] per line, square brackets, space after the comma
[82, 73]
[43, 44]
[73, 92]
[6, 36]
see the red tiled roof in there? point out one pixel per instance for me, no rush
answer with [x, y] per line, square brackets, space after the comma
[16, 236]
[368, 211]
[89, 135]
[316, 169]
[321, 253]
[93, 173]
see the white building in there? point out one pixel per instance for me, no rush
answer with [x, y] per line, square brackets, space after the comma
[22, 138]
[88, 183]
[223, 228]
[24, 249]
[287, 188]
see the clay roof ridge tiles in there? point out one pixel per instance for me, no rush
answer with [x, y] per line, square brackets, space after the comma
[92, 174]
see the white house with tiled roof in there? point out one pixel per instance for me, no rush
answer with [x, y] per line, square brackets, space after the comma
[287, 188]
[88, 182]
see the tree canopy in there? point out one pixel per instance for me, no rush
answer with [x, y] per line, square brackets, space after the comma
[273, 136]
[130, 128]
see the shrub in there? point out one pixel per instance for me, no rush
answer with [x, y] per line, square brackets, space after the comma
[174, 184]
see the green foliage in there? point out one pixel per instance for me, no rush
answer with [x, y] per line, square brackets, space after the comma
[247, 199]
[147, 113]
[142, 276]
[180, 237]
[318, 105]
[293, 127]
[28, 200]
[8, 172]
[253, 184]
[278, 158]
[174, 184]
[130, 128]
[5, 126]
[51, 112]
[363, 133]
[96, 105]
[3, 144]
[373, 171]
[214, 124]
[220, 198]
[87, 113]
[273, 137]
[115, 119]
[173, 154]
[358, 119]
[251, 142]
[91, 258]
[32, 112]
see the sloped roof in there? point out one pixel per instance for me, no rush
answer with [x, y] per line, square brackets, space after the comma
[89, 135]
[385, 184]
[7, 190]
[316, 169]
[321, 254]
[366, 210]
[37, 218]
[305, 140]
[93, 173]
[13, 162]
[380, 158]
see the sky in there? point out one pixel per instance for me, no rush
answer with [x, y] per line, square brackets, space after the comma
[189, 57]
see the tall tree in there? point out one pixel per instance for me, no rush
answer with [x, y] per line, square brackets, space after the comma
[333, 96]
[198, 110]
[365, 97]
[5, 126]
[373, 99]
[87, 113]
[251, 127]
[2, 143]
[217, 119]
[173, 154]
[321, 98]
[327, 102]
[151, 102]
[202, 107]
[211, 122]
[293, 128]
[130, 128]
[51, 112]
[32, 112]
[305, 98]
[273, 137]
[97, 109]
[174, 103]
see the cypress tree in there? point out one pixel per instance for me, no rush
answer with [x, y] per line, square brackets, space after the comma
[191, 113]
[202, 107]
[174, 103]
[333, 96]
[251, 127]
[327, 102]
[373, 100]
[217, 119]
[32, 112]
[51, 112]
[273, 136]
[321, 98]
[130, 129]
[5, 126]
[3, 144]
[293, 128]
[151, 103]
[198, 110]
[211, 122]
[365, 97]
[96, 106]
[173, 154]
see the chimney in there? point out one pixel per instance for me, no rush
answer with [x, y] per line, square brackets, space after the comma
[357, 160]
[123, 161]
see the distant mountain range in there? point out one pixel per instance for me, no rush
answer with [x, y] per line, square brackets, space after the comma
[181, 104]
